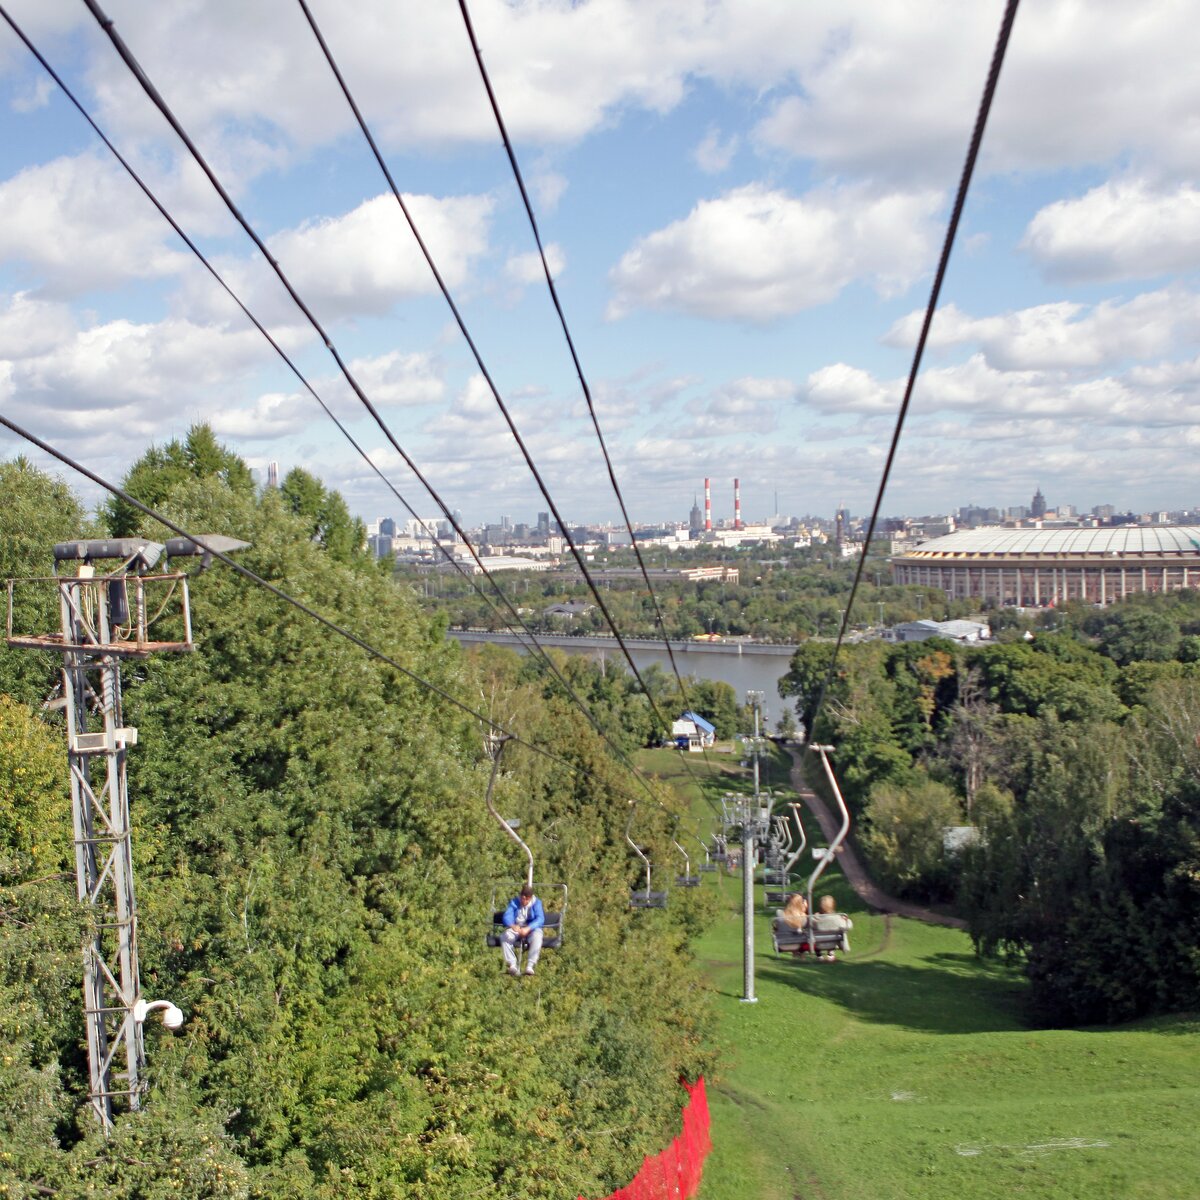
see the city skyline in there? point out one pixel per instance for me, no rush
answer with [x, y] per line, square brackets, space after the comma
[743, 209]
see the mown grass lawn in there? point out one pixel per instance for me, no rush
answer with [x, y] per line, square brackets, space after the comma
[906, 1070]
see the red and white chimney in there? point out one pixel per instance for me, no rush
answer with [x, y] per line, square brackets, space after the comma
[737, 504]
[707, 508]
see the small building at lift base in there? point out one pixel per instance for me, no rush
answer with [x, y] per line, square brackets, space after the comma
[1040, 568]
[693, 732]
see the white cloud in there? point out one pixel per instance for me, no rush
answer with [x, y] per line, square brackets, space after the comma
[895, 87]
[878, 87]
[30, 327]
[1064, 335]
[400, 379]
[80, 223]
[36, 96]
[360, 263]
[714, 154]
[151, 374]
[366, 260]
[1138, 398]
[840, 388]
[1124, 229]
[527, 268]
[757, 254]
[271, 416]
[549, 187]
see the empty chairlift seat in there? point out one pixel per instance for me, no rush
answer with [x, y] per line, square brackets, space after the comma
[644, 898]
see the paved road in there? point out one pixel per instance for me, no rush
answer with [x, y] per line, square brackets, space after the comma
[852, 867]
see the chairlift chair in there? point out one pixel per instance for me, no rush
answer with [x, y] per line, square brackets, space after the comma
[552, 936]
[645, 897]
[707, 867]
[687, 879]
[555, 926]
[809, 939]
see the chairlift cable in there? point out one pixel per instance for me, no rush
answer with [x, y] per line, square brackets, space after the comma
[960, 199]
[459, 321]
[583, 383]
[152, 197]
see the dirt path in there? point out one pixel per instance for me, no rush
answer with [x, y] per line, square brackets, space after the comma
[852, 868]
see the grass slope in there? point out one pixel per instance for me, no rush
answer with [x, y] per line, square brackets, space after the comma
[906, 1070]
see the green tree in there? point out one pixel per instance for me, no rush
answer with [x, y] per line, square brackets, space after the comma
[37, 512]
[904, 836]
[1139, 634]
[160, 471]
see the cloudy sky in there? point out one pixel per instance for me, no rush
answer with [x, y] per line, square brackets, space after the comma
[743, 204]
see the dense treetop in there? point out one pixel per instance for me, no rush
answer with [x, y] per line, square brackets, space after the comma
[315, 872]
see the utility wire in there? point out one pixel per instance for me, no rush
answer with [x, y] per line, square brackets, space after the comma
[458, 318]
[246, 573]
[131, 62]
[960, 199]
[562, 319]
[150, 195]
[306, 609]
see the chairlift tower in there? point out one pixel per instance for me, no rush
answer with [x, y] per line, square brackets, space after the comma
[103, 620]
[755, 823]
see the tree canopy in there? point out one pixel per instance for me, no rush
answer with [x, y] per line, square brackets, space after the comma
[315, 872]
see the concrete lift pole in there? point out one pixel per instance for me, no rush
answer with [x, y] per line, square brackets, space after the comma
[103, 619]
[751, 820]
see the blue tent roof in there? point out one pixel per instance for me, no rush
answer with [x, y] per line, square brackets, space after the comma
[699, 722]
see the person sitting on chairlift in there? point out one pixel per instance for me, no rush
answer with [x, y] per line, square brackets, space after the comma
[795, 912]
[523, 919]
[829, 920]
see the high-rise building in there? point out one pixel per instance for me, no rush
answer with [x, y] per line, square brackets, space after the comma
[696, 517]
[1038, 507]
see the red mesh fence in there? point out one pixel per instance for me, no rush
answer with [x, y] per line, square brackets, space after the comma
[674, 1173]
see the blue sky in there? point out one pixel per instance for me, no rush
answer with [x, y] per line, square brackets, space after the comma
[744, 204]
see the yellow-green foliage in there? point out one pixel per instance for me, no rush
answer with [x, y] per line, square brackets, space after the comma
[35, 807]
[315, 867]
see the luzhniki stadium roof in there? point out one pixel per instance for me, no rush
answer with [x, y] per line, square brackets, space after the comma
[1132, 541]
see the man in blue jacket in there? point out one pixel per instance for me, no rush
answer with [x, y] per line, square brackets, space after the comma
[523, 919]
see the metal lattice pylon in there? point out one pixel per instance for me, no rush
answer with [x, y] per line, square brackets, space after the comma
[96, 745]
[103, 619]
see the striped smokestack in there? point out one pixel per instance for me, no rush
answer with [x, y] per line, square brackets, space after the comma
[707, 508]
[737, 504]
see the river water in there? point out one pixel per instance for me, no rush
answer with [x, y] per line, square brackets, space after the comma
[751, 670]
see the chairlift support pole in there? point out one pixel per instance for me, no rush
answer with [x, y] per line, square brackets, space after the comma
[835, 845]
[634, 846]
[749, 829]
[791, 862]
[502, 742]
[687, 862]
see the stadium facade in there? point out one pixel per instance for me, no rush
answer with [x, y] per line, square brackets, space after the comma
[1040, 567]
